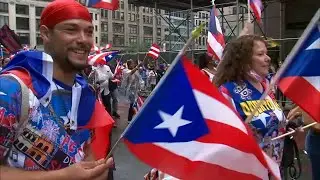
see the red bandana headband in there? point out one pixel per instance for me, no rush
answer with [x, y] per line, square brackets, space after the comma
[61, 10]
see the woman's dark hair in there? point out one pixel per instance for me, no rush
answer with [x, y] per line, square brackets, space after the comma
[236, 60]
[204, 60]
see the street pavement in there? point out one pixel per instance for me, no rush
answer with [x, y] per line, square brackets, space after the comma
[127, 166]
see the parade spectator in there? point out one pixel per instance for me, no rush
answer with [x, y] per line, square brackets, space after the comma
[131, 83]
[207, 66]
[41, 137]
[241, 77]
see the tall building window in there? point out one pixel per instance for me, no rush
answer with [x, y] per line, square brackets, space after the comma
[96, 28]
[133, 40]
[4, 7]
[132, 17]
[104, 26]
[147, 30]
[39, 11]
[147, 41]
[39, 40]
[118, 40]
[22, 23]
[4, 20]
[96, 17]
[122, 4]
[22, 9]
[158, 21]
[116, 15]
[104, 39]
[37, 24]
[158, 31]
[118, 28]
[133, 29]
[24, 38]
[104, 13]
[122, 16]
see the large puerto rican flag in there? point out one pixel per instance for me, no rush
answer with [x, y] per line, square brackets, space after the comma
[216, 41]
[188, 130]
[301, 80]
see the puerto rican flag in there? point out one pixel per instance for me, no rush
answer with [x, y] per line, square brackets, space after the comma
[105, 48]
[154, 51]
[101, 58]
[94, 50]
[216, 43]
[103, 4]
[301, 80]
[138, 104]
[256, 6]
[188, 130]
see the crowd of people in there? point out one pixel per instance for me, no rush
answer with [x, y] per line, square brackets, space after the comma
[45, 139]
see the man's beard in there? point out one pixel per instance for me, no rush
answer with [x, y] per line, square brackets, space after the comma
[74, 66]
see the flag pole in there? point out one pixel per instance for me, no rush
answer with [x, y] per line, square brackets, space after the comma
[292, 132]
[195, 34]
[286, 63]
[249, 16]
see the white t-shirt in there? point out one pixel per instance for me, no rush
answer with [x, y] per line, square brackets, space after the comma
[102, 75]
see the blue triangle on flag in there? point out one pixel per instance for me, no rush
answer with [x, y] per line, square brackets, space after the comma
[174, 93]
[306, 61]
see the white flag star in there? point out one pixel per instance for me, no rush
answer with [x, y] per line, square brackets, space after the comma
[2, 93]
[262, 117]
[314, 45]
[172, 122]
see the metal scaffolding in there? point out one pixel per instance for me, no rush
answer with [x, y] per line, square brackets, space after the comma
[233, 25]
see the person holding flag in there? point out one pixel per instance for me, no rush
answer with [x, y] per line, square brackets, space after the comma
[241, 78]
[50, 116]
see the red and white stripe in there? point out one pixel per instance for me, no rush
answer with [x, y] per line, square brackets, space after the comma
[215, 41]
[107, 47]
[256, 6]
[94, 60]
[95, 49]
[138, 105]
[154, 51]
[228, 151]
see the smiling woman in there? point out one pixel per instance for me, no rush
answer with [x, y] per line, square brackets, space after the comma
[241, 77]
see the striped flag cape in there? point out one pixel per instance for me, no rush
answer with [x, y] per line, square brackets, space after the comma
[89, 112]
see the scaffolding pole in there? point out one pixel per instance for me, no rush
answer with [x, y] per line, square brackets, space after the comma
[192, 27]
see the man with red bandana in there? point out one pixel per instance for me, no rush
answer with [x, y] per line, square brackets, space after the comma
[45, 133]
